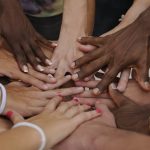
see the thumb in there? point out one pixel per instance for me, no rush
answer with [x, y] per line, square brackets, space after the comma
[14, 116]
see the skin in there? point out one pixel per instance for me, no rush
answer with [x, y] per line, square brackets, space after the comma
[53, 120]
[132, 14]
[97, 133]
[29, 101]
[73, 26]
[33, 77]
[111, 52]
[25, 42]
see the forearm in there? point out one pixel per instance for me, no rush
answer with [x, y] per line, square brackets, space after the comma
[115, 139]
[21, 138]
[77, 20]
[138, 7]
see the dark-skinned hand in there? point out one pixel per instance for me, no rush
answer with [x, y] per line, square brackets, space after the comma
[24, 42]
[128, 48]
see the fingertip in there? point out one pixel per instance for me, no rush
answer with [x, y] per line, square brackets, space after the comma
[40, 68]
[75, 77]
[68, 77]
[73, 65]
[25, 69]
[112, 88]
[96, 91]
[147, 85]
[9, 114]
[48, 62]
[54, 44]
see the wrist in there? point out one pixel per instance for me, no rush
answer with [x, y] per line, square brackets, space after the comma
[27, 137]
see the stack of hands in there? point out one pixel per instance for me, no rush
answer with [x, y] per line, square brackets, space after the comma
[38, 74]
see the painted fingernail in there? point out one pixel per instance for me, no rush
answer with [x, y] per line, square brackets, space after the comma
[96, 91]
[98, 111]
[67, 73]
[147, 85]
[113, 86]
[40, 68]
[68, 76]
[80, 89]
[25, 69]
[75, 77]
[76, 99]
[9, 114]
[48, 62]
[73, 65]
[54, 44]
[50, 76]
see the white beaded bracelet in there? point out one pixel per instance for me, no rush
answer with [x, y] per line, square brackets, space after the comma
[36, 127]
[3, 100]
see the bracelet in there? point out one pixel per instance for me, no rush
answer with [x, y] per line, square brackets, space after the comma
[3, 101]
[36, 127]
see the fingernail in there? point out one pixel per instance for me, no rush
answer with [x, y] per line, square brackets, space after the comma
[54, 44]
[73, 65]
[79, 38]
[52, 71]
[25, 69]
[76, 99]
[96, 91]
[113, 86]
[75, 77]
[80, 88]
[67, 73]
[147, 85]
[50, 76]
[45, 87]
[68, 77]
[98, 111]
[48, 62]
[40, 68]
[9, 114]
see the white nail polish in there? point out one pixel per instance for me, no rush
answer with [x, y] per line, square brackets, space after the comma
[96, 91]
[25, 69]
[147, 85]
[50, 76]
[48, 62]
[75, 77]
[113, 86]
[40, 68]
[68, 76]
[54, 44]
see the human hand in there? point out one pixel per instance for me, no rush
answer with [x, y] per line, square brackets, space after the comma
[24, 42]
[65, 53]
[114, 53]
[55, 119]
[10, 69]
[88, 133]
[29, 101]
[130, 115]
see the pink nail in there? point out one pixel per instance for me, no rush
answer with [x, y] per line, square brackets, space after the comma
[98, 111]
[76, 99]
[9, 114]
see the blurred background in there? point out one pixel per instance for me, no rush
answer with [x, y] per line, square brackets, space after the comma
[46, 15]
